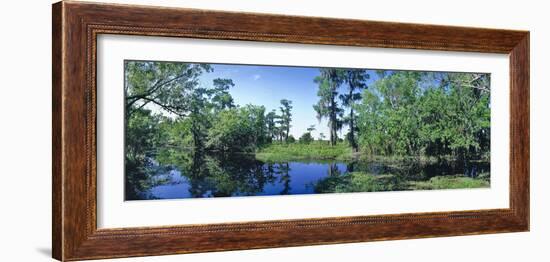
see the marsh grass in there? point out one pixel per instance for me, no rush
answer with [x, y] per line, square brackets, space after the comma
[357, 182]
[360, 181]
[450, 182]
[364, 182]
[321, 150]
[318, 150]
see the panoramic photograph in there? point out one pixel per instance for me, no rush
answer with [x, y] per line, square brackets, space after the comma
[201, 130]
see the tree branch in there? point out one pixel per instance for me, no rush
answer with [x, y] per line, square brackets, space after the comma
[170, 109]
[155, 87]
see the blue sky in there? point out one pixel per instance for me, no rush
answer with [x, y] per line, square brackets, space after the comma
[267, 85]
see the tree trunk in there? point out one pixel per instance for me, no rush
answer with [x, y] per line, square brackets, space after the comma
[353, 143]
[333, 125]
[287, 131]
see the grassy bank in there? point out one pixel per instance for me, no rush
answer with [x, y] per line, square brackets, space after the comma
[450, 182]
[357, 182]
[321, 150]
[318, 150]
[363, 182]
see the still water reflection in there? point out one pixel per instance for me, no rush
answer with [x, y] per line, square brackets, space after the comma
[216, 175]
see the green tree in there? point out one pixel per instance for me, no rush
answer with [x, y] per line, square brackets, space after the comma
[199, 116]
[164, 84]
[433, 114]
[370, 122]
[394, 114]
[356, 82]
[172, 89]
[143, 135]
[232, 130]
[240, 129]
[256, 115]
[271, 122]
[469, 112]
[279, 128]
[286, 117]
[221, 99]
[306, 138]
[329, 80]
[155, 93]
[291, 139]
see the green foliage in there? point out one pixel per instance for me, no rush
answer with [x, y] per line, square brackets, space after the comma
[221, 99]
[400, 114]
[329, 80]
[298, 151]
[449, 182]
[356, 81]
[387, 119]
[291, 139]
[434, 114]
[237, 129]
[256, 115]
[306, 138]
[195, 116]
[221, 175]
[364, 182]
[357, 182]
[285, 118]
[271, 126]
[164, 84]
[177, 132]
[143, 135]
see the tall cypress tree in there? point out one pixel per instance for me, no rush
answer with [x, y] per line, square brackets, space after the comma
[329, 80]
[356, 82]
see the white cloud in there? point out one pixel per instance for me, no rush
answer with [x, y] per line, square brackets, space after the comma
[256, 77]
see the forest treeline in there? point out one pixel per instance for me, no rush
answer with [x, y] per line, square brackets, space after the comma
[398, 113]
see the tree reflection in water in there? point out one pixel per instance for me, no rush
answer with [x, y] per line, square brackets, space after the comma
[202, 174]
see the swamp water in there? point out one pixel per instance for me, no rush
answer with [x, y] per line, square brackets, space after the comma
[216, 175]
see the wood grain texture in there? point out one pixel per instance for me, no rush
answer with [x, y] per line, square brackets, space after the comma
[519, 129]
[76, 26]
[57, 202]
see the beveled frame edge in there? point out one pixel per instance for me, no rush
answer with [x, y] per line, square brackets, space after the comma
[75, 27]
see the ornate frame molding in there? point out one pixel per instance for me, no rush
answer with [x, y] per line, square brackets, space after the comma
[76, 26]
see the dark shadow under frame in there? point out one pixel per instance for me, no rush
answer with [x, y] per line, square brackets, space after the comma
[75, 28]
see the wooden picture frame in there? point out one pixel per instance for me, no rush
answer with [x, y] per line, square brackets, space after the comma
[76, 26]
